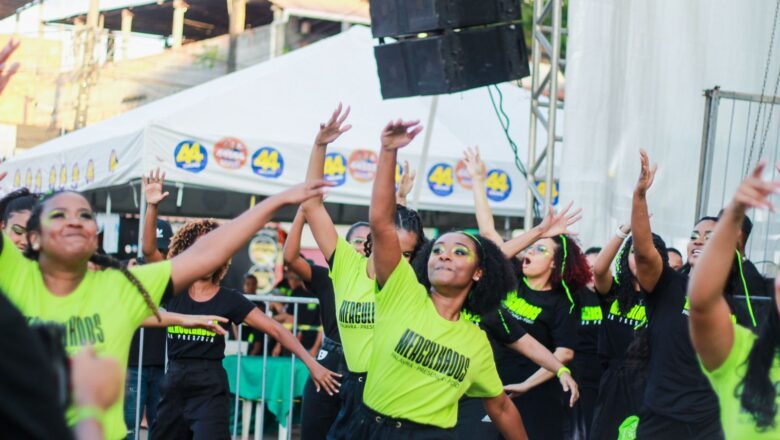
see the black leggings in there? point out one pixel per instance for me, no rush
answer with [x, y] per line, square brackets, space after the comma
[621, 394]
[542, 411]
[655, 426]
[351, 393]
[319, 409]
[195, 402]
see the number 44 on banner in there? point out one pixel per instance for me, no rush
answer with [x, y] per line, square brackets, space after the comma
[541, 185]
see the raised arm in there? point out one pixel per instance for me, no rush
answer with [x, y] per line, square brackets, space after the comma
[554, 224]
[321, 376]
[602, 274]
[5, 54]
[386, 248]
[478, 172]
[649, 264]
[314, 210]
[153, 189]
[712, 332]
[211, 251]
[405, 185]
[292, 249]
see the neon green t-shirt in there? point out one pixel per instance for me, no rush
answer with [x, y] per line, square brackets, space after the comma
[422, 364]
[354, 292]
[738, 424]
[104, 311]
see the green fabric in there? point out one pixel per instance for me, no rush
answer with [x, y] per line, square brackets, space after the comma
[627, 429]
[104, 311]
[277, 381]
[738, 424]
[354, 292]
[422, 364]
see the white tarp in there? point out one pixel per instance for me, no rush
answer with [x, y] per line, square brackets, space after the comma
[251, 132]
[635, 75]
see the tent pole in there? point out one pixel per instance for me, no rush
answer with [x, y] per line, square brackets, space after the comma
[426, 147]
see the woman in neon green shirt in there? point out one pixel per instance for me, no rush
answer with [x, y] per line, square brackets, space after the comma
[352, 274]
[425, 356]
[104, 308]
[743, 369]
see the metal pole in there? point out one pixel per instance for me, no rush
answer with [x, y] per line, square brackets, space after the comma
[238, 382]
[139, 254]
[426, 147]
[711, 101]
[553, 108]
[262, 382]
[535, 60]
[292, 375]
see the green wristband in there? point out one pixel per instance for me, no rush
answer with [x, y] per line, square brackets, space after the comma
[561, 371]
[82, 413]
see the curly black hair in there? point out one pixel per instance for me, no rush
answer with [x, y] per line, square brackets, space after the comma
[757, 393]
[34, 225]
[17, 201]
[406, 219]
[626, 296]
[186, 237]
[498, 278]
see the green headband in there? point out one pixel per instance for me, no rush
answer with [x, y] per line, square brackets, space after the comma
[563, 268]
[473, 237]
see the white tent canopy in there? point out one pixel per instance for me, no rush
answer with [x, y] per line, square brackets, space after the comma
[250, 132]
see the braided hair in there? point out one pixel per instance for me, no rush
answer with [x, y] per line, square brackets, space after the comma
[757, 393]
[406, 220]
[624, 279]
[34, 225]
[638, 351]
[498, 277]
[16, 201]
[186, 236]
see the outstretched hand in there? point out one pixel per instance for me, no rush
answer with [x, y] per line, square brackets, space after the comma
[569, 384]
[754, 191]
[646, 175]
[407, 180]
[398, 134]
[474, 165]
[324, 378]
[305, 191]
[5, 54]
[331, 130]
[205, 322]
[153, 187]
[558, 224]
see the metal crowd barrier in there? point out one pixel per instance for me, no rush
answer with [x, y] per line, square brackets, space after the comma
[260, 409]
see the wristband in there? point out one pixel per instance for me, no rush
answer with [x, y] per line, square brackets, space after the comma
[561, 371]
[82, 413]
[620, 234]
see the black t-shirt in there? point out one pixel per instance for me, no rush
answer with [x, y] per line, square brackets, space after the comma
[308, 318]
[321, 287]
[501, 327]
[676, 387]
[591, 316]
[186, 343]
[545, 315]
[29, 408]
[619, 328]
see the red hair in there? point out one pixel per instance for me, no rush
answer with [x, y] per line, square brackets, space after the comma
[576, 271]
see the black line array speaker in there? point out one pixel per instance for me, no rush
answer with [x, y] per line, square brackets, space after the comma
[452, 62]
[392, 18]
[446, 46]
